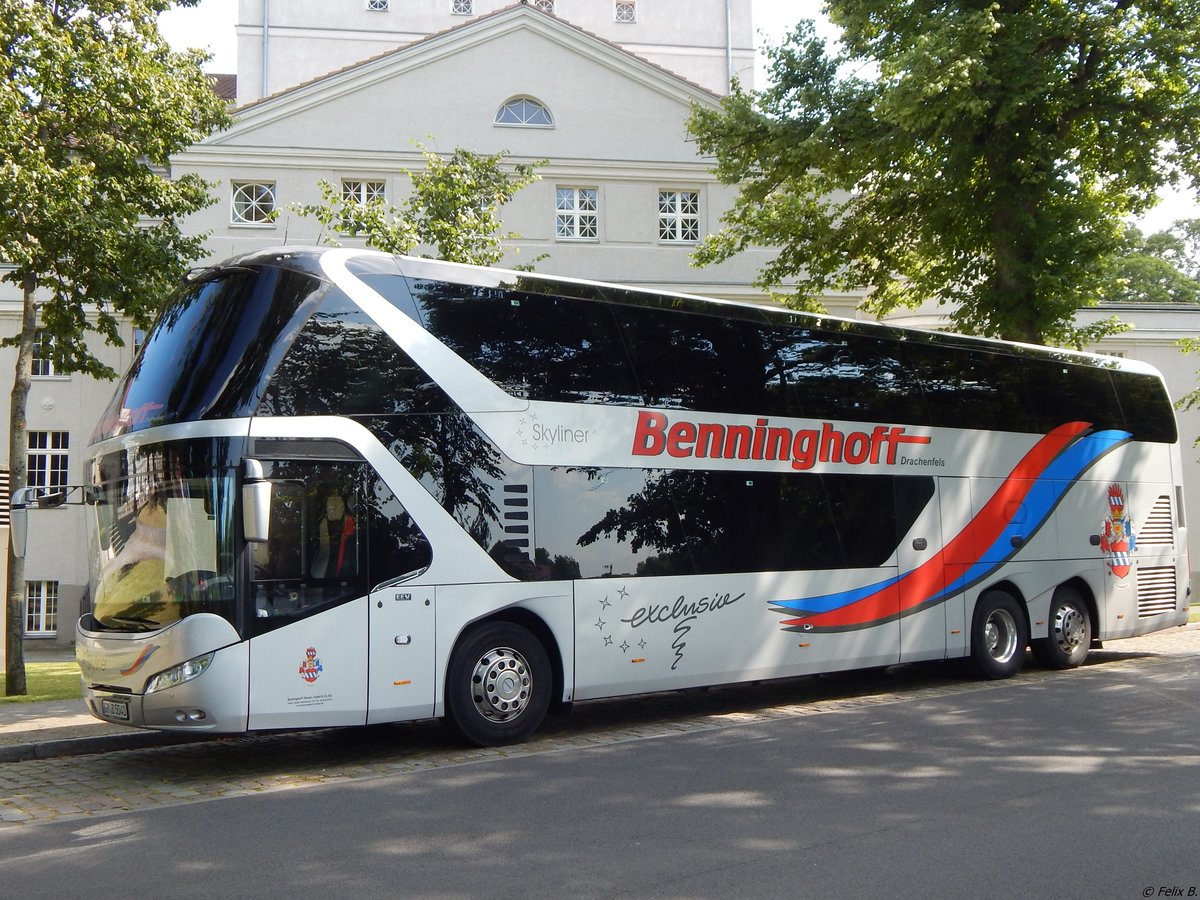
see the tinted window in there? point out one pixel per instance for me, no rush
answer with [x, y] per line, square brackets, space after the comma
[485, 492]
[972, 388]
[670, 522]
[341, 363]
[210, 352]
[839, 374]
[1067, 392]
[1146, 408]
[532, 345]
[382, 274]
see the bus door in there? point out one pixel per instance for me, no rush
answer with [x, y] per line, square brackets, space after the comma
[400, 681]
[400, 610]
[931, 626]
[308, 589]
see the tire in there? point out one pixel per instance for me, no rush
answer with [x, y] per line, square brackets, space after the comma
[1070, 632]
[498, 685]
[999, 635]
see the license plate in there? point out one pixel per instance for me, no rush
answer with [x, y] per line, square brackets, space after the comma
[115, 709]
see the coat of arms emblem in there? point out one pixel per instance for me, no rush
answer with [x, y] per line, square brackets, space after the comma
[311, 668]
[1117, 540]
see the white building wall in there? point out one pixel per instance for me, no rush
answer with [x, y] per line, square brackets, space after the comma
[306, 39]
[619, 127]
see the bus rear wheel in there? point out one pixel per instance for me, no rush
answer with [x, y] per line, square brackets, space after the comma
[497, 685]
[999, 635]
[1070, 632]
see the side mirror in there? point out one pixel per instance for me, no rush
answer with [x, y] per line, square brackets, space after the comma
[18, 518]
[256, 502]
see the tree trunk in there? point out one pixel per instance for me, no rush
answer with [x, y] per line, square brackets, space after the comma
[18, 449]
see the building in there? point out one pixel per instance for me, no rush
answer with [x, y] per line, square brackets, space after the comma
[623, 196]
[281, 45]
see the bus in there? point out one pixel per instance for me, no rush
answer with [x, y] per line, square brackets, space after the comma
[340, 487]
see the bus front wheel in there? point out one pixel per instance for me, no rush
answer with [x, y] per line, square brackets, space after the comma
[999, 635]
[1070, 632]
[497, 685]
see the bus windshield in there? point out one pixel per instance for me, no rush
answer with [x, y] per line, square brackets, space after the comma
[162, 541]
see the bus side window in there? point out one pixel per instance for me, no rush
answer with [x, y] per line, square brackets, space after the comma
[315, 556]
[280, 558]
[334, 546]
[397, 547]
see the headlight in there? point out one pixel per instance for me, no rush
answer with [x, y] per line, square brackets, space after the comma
[180, 674]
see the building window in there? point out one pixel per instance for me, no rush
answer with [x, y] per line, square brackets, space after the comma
[546, 6]
[576, 213]
[377, 5]
[524, 111]
[625, 11]
[41, 608]
[679, 216]
[139, 340]
[41, 363]
[362, 192]
[253, 202]
[462, 7]
[47, 460]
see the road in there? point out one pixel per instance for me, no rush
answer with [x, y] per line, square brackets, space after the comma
[913, 782]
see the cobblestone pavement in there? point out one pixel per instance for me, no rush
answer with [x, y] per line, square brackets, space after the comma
[128, 780]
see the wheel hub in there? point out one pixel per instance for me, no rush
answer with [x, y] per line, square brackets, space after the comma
[1068, 627]
[1000, 635]
[501, 684]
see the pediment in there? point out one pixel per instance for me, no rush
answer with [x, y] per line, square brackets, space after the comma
[449, 87]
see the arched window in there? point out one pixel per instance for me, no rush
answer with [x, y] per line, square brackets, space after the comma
[524, 111]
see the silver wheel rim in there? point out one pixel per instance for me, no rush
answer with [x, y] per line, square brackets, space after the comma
[501, 684]
[1000, 635]
[1069, 628]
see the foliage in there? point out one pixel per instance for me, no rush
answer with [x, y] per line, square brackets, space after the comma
[988, 157]
[93, 103]
[454, 208]
[1160, 268]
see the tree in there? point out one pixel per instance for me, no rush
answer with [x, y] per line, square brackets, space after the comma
[454, 207]
[988, 158]
[1158, 268]
[92, 105]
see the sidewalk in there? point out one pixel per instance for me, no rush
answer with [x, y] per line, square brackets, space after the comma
[65, 728]
[52, 728]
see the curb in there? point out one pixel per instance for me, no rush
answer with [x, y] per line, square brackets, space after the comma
[102, 743]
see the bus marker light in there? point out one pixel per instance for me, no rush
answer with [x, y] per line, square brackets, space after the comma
[803, 645]
[402, 683]
[638, 659]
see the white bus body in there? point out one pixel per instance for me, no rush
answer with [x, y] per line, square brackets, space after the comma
[472, 517]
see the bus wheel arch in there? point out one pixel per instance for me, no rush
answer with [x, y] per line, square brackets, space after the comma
[499, 682]
[1070, 627]
[537, 626]
[999, 632]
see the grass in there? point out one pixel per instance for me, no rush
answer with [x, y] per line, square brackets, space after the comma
[49, 681]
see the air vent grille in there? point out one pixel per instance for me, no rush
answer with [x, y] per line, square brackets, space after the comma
[1158, 530]
[1156, 591]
